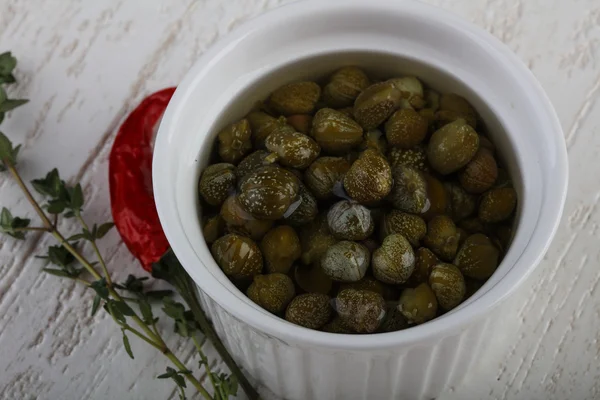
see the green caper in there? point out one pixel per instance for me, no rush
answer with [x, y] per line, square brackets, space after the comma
[432, 100]
[293, 149]
[273, 292]
[349, 220]
[410, 190]
[462, 236]
[252, 162]
[394, 320]
[262, 125]
[452, 147]
[473, 225]
[305, 210]
[214, 227]
[406, 128]
[239, 221]
[374, 139]
[448, 284]
[344, 86]
[336, 325]
[442, 237]
[418, 305]
[415, 157]
[478, 257]
[335, 132]
[323, 174]
[369, 179]
[312, 279]
[217, 183]
[366, 283]
[315, 239]
[425, 260]
[348, 111]
[310, 310]
[497, 204]
[301, 122]
[412, 92]
[394, 261]
[453, 107]
[346, 261]
[360, 310]
[295, 98]
[480, 173]
[238, 256]
[376, 103]
[412, 227]
[461, 204]
[235, 142]
[485, 143]
[268, 192]
[437, 197]
[280, 248]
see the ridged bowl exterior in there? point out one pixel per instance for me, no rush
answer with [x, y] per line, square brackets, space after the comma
[299, 372]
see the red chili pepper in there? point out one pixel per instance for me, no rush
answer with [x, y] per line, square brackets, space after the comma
[130, 179]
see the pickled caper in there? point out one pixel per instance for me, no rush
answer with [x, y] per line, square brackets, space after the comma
[448, 284]
[376, 103]
[452, 147]
[411, 226]
[394, 261]
[280, 248]
[480, 173]
[346, 261]
[418, 305]
[349, 220]
[369, 179]
[315, 239]
[335, 132]
[293, 149]
[477, 257]
[235, 142]
[262, 125]
[442, 237]
[268, 192]
[310, 310]
[406, 128]
[415, 157]
[238, 256]
[344, 86]
[295, 98]
[323, 174]
[217, 183]
[214, 227]
[273, 292]
[497, 204]
[453, 107]
[240, 221]
[360, 310]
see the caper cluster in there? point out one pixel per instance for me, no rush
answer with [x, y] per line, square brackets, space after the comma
[357, 206]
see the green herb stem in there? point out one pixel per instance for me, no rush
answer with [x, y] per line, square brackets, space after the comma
[96, 250]
[152, 338]
[189, 377]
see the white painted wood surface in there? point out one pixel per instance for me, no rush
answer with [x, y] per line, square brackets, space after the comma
[85, 64]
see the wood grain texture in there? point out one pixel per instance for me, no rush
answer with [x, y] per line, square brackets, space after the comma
[84, 65]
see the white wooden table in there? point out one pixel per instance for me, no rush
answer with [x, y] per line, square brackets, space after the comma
[85, 64]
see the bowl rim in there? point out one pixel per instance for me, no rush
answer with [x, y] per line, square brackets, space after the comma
[282, 330]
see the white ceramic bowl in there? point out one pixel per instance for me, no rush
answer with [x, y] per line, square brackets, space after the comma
[309, 39]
